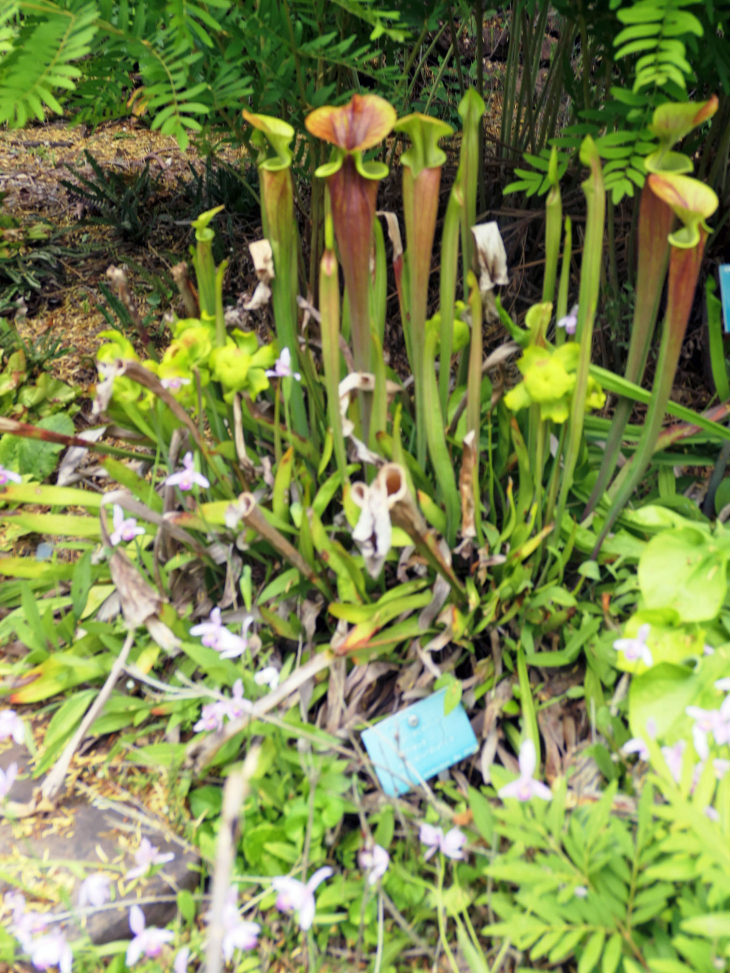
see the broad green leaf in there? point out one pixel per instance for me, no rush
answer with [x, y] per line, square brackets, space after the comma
[482, 814]
[667, 641]
[714, 925]
[452, 696]
[612, 954]
[81, 585]
[685, 569]
[63, 724]
[54, 525]
[52, 496]
[186, 905]
[592, 952]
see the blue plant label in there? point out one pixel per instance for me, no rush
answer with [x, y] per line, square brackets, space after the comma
[725, 294]
[419, 742]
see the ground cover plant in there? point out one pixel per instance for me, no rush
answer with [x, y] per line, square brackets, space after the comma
[295, 541]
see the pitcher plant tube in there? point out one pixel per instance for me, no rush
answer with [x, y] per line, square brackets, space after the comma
[693, 202]
[277, 213]
[353, 187]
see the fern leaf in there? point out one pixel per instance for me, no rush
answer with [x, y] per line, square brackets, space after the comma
[42, 62]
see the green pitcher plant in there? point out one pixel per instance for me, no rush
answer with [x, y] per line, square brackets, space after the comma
[459, 487]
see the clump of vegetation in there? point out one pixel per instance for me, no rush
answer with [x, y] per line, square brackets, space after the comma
[314, 544]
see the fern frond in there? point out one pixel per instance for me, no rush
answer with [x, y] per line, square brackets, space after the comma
[42, 62]
[657, 30]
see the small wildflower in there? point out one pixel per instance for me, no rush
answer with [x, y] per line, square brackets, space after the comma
[51, 950]
[211, 718]
[526, 787]
[94, 891]
[267, 677]
[581, 891]
[721, 767]
[175, 383]
[147, 856]
[187, 477]
[375, 861]
[723, 685]
[7, 476]
[449, 844]
[237, 933]
[570, 321]
[282, 367]
[709, 721]
[181, 960]
[712, 813]
[11, 725]
[213, 714]
[215, 635]
[674, 757]
[7, 779]
[295, 896]
[237, 706]
[25, 924]
[148, 940]
[638, 746]
[636, 649]
[125, 528]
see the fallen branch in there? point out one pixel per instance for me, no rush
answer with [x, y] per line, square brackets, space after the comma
[55, 779]
[235, 793]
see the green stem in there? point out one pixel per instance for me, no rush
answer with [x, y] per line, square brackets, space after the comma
[588, 299]
[440, 915]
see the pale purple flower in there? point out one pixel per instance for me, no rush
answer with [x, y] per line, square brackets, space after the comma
[25, 924]
[638, 746]
[51, 950]
[148, 940]
[581, 891]
[674, 757]
[268, 676]
[237, 706]
[211, 718]
[636, 649]
[11, 725]
[295, 896]
[94, 891]
[174, 383]
[7, 476]
[723, 685]
[721, 767]
[147, 856]
[237, 933]
[375, 861]
[282, 367]
[215, 635]
[213, 714]
[526, 787]
[453, 844]
[187, 477]
[449, 844]
[570, 321]
[181, 960]
[125, 528]
[431, 837]
[711, 813]
[709, 721]
[708, 650]
[7, 779]
[722, 730]
[15, 901]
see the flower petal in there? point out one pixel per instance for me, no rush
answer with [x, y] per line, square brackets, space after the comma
[528, 758]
